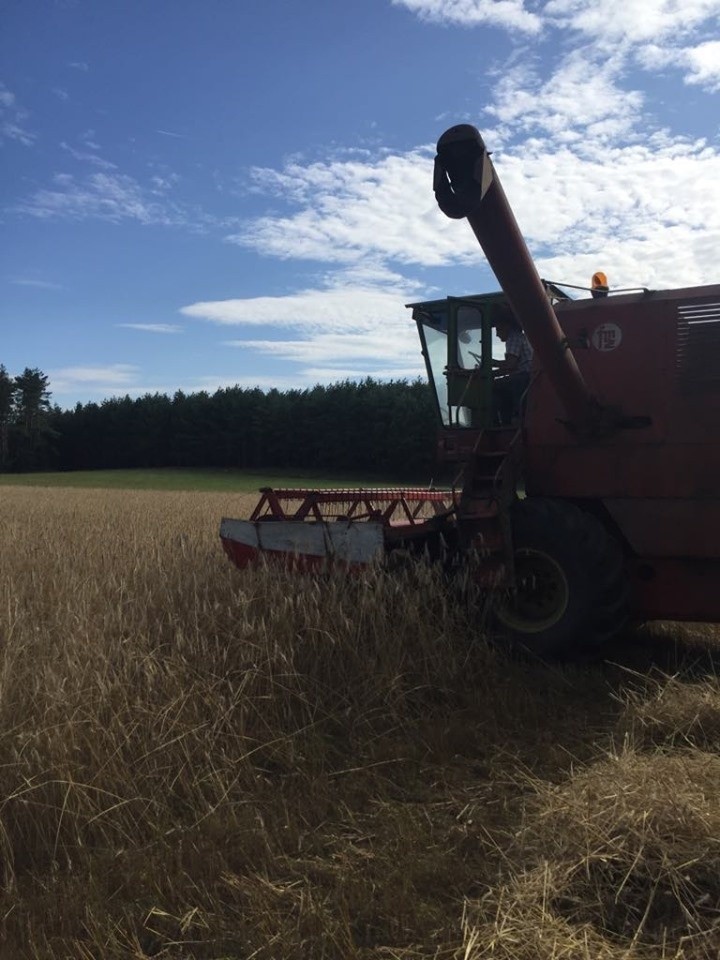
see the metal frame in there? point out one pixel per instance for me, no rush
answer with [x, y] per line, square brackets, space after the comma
[387, 505]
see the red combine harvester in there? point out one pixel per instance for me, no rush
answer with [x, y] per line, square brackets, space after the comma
[617, 449]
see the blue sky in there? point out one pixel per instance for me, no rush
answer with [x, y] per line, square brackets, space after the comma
[197, 194]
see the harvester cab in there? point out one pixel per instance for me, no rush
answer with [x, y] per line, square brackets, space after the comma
[456, 339]
[460, 349]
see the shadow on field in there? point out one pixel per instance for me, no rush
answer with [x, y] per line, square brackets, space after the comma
[614, 855]
[558, 715]
[690, 651]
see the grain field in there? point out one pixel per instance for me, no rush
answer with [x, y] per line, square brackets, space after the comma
[199, 763]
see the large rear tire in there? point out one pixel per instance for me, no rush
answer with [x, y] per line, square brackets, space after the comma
[571, 588]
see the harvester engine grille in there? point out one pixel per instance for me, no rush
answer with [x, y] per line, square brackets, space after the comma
[697, 361]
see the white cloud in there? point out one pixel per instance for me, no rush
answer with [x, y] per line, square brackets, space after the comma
[700, 63]
[632, 21]
[322, 309]
[647, 213]
[653, 31]
[352, 210]
[704, 64]
[152, 327]
[573, 196]
[608, 23]
[510, 14]
[79, 65]
[581, 99]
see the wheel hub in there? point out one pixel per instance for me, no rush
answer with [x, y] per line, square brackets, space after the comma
[541, 594]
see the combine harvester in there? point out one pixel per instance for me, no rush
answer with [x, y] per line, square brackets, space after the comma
[618, 451]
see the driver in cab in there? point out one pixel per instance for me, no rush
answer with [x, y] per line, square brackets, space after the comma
[512, 374]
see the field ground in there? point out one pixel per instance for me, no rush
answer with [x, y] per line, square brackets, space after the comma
[199, 763]
[246, 481]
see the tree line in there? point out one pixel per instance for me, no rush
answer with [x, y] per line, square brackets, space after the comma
[382, 428]
[26, 433]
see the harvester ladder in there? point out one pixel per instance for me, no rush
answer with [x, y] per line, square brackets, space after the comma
[488, 493]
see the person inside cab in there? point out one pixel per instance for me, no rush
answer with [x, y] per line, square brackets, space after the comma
[512, 374]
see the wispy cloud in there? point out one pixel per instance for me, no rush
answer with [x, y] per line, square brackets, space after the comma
[342, 304]
[99, 379]
[116, 197]
[12, 119]
[152, 327]
[70, 385]
[89, 140]
[334, 349]
[85, 156]
[161, 184]
[170, 133]
[40, 284]
[79, 65]
[355, 317]
[102, 196]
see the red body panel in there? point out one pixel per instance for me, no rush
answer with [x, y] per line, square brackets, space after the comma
[654, 358]
[675, 590]
[245, 556]
[647, 374]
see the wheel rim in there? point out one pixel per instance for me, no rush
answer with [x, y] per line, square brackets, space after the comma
[541, 593]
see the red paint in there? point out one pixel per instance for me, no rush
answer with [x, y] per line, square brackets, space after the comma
[244, 556]
[676, 589]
